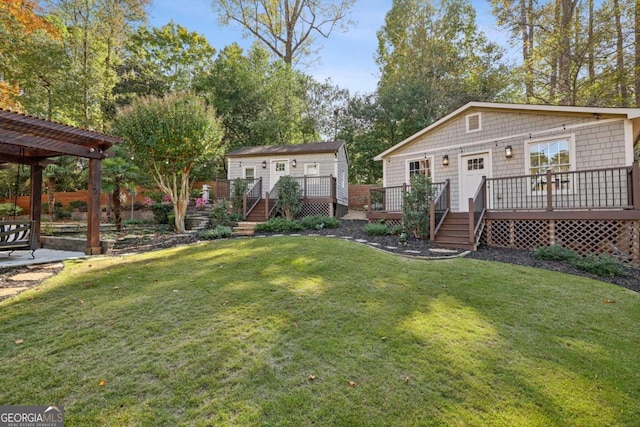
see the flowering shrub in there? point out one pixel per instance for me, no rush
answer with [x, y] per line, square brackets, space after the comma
[200, 203]
[147, 201]
[166, 198]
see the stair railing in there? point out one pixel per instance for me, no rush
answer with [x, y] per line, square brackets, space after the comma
[251, 197]
[477, 209]
[439, 208]
[271, 200]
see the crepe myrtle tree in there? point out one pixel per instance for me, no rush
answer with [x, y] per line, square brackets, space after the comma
[167, 137]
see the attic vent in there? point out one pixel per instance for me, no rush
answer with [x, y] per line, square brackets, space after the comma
[473, 122]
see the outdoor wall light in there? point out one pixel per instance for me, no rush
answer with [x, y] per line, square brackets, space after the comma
[508, 152]
[264, 164]
[294, 163]
[445, 160]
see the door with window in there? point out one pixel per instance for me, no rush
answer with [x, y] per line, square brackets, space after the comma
[279, 168]
[472, 168]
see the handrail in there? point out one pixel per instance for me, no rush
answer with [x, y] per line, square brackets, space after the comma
[251, 196]
[439, 207]
[477, 208]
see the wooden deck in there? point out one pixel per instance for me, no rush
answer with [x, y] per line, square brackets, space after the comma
[589, 211]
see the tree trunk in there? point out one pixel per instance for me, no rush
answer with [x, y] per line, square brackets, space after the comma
[117, 205]
[51, 194]
[591, 43]
[622, 84]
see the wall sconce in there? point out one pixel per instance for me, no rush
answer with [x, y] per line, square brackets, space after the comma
[91, 149]
[294, 163]
[239, 164]
[508, 152]
[445, 160]
[264, 164]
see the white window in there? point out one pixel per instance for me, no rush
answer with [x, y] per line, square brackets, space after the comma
[312, 169]
[250, 172]
[474, 122]
[419, 166]
[281, 166]
[554, 155]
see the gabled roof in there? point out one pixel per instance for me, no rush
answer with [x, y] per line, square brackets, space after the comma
[29, 140]
[629, 113]
[270, 150]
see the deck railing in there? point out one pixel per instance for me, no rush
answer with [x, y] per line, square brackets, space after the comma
[439, 208]
[317, 186]
[477, 208]
[224, 188]
[251, 197]
[611, 188]
[389, 199]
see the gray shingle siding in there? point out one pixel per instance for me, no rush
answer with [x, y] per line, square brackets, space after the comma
[600, 144]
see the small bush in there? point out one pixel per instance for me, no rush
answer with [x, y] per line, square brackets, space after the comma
[376, 229]
[220, 212]
[318, 222]
[220, 232]
[79, 205]
[161, 212]
[289, 194]
[136, 221]
[555, 253]
[601, 265]
[240, 186]
[7, 209]
[280, 225]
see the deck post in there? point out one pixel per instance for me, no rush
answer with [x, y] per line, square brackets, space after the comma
[549, 187]
[635, 182]
[369, 202]
[244, 206]
[266, 206]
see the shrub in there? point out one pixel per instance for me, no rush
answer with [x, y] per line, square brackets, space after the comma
[219, 232]
[318, 222]
[289, 194]
[376, 229]
[601, 265]
[240, 186]
[161, 212]
[415, 206]
[220, 212]
[7, 209]
[279, 224]
[555, 253]
[79, 205]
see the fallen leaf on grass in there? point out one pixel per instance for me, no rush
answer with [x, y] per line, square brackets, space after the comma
[312, 377]
[115, 288]
[608, 301]
[295, 324]
[406, 380]
[18, 341]
[102, 383]
[352, 384]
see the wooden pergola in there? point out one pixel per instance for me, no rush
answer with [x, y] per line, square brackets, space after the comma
[28, 140]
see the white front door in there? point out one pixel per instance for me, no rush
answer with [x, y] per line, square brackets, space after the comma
[472, 168]
[279, 168]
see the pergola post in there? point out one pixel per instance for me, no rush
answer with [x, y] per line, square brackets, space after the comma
[93, 205]
[35, 210]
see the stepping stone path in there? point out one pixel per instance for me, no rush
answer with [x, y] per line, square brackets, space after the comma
[35, 274]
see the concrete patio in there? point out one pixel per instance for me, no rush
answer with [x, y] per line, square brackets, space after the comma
[42, 256]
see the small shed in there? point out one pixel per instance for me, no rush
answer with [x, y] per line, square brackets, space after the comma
[321, 168]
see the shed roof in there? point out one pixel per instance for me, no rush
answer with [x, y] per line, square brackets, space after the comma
[629, 113]
[270, 150]
[29, 140]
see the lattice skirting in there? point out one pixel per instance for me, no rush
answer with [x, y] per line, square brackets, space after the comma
[391, 222]
[311, 209]
[619, 238]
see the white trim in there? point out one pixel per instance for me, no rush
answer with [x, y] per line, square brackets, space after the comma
[466, 120]
[317, 166]
[506, 138]
[572, 150]
[630, 113]
[628, 142]
[384, 172]
[407, 178]
[244, 171]
[489, 168]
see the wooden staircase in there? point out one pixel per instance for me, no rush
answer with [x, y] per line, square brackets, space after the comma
[454, 232]
[258, 213]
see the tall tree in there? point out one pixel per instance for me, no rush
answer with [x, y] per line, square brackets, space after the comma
[167, 137]
[286, 27]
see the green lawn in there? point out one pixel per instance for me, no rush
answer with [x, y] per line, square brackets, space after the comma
[228, 333]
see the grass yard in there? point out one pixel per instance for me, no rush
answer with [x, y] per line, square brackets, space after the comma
[234, 333]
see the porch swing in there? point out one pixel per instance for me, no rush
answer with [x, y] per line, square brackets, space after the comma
[17, 235]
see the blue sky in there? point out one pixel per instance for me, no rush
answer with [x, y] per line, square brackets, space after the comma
[347, 58]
